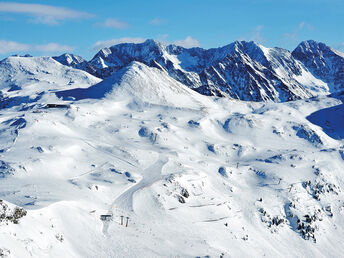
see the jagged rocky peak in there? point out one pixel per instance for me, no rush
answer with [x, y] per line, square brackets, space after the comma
[69, 59]
[313, 51]
[147, 50]
[308, 47]
[209, 57]
[251, 48]
[271, 58]
[124, 53]
[323, 61]
[104, 52]
[152, 43]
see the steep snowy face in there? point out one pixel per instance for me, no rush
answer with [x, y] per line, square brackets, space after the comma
[27, 79]
[324, 62]
[241, 70]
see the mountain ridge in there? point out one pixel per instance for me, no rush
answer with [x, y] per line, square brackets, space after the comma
[240, 70]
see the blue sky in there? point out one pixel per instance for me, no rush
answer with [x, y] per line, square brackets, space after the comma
[52, 27]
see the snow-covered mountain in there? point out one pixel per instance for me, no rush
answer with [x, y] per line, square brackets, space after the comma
[141, 83]
[324, 62]
[241, 70]
[139, 164]
[33, 71]
[28, 79]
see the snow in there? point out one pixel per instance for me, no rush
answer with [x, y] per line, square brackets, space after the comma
[143, 84]
[339, 53]
[316, 86]
[144, 146]
[31, 75]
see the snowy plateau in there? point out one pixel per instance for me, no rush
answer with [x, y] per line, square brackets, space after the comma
[150, 150]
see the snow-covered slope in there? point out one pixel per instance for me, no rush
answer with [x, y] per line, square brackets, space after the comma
[195, 176]
[27, 79]
[143, 84]
[176, 173]
[29, 71]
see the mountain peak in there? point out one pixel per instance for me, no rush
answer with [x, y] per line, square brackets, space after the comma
[251, 48]
[311, 46]
[245, 43]
[153, 42]
[314, 46]
[148, 44]
[69, 59]
[323, 61]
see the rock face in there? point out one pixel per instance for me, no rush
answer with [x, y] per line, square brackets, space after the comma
[241, 70]
[324, 62]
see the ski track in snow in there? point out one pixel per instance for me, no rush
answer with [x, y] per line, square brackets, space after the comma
[149, 176]
[124, 201]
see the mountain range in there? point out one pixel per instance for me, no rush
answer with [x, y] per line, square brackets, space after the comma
[241, 70]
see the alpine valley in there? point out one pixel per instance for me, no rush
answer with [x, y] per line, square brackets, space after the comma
[154, 150]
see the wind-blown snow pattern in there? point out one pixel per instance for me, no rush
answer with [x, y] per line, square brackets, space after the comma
[176, 173]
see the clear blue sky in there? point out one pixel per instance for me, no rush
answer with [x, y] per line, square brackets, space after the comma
[41, 27]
